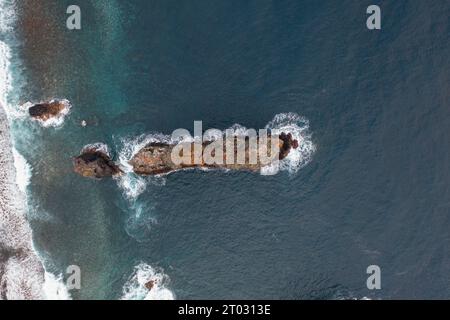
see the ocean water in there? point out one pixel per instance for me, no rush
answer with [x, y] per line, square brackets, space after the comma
[370, 184]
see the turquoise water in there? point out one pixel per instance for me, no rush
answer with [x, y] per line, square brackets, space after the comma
[374, 191]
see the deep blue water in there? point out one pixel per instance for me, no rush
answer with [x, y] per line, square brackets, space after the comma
[375, 192]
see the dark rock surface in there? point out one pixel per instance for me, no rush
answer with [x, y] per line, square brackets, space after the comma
[93, 163]
[45, 111]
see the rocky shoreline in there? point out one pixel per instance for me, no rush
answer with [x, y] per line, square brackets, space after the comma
[21, 272]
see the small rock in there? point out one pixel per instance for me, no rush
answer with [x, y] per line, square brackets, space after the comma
[46, 110]
[94, 163]
[288, 144]
[150, 284]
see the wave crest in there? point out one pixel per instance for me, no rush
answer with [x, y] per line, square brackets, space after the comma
[54, 287]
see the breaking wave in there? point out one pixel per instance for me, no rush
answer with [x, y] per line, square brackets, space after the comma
[21, 275]
[140, 218]
[147, 283]
[5, 76]
[134, 185]
[131, 184]
[99, 146]
[141, 214]
[54, 287]
[299, 128]
[23, 171]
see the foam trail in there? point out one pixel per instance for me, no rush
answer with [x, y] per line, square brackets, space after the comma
[23, 171]
[5, 76]
[135, 288]
[140, 221]
[131, 184]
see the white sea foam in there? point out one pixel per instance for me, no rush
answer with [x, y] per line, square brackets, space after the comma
[299, 128]
[23, 274]
[54, 287]
[7, 20]
[140, 221]
[131, 184]
[288, 123]
[5, 75]
[238, 130]
[131, 146]
[135, 287]
[54, 122]
[21, 277]
[23, 171]
[99, 146]
[7, 15]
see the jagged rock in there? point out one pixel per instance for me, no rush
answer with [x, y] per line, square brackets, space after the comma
[287, 145]
[156, 158]
[150, 284]
[47, 110]
[93, 163]
[153, 159]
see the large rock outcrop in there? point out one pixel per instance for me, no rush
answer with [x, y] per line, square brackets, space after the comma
[158, 158]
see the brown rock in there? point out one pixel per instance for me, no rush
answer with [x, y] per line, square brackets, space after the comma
[47, 110]
[156, 158]
[150, 284]
[93, 163]
[287, 145]
[153, 159]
